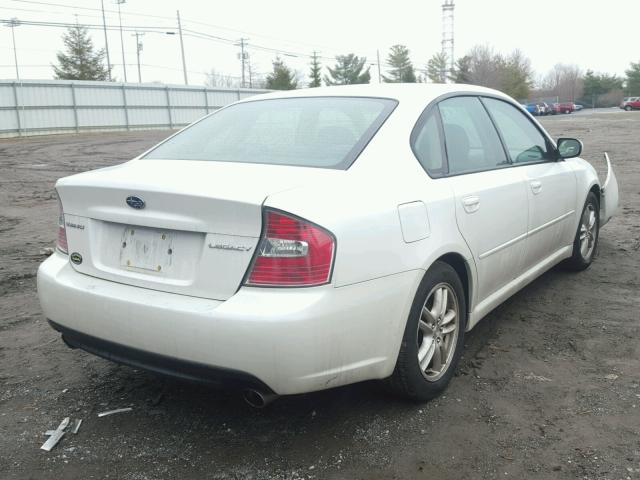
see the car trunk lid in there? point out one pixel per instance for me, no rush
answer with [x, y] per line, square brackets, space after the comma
[195, 231]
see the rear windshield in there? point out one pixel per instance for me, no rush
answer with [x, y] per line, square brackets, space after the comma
[327, 132]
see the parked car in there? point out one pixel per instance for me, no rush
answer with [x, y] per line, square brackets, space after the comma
[548, 108]
[302, 240]
[577, 107]
[533, 108]
[563, 107]
[630, 103]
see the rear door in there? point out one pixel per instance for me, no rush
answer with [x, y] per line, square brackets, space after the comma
[491, 197]
[550, 183]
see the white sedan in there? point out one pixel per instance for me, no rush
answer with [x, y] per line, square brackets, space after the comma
[298, 241]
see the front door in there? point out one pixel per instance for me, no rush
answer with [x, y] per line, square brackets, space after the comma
[550, 183]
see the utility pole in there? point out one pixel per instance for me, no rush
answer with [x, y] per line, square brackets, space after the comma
[124, 63]
[242, 58]
[138, 50]
[106, 40]
[379, 74]
[13, 23]
[184, 62]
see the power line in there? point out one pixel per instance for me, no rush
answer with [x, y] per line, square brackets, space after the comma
[140, 29]
[283, 51]
[91, 26]
[197, 22]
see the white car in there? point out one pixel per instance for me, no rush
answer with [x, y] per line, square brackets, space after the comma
[298, 241]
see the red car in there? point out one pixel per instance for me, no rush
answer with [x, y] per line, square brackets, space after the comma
[630, 103]
[563, 107]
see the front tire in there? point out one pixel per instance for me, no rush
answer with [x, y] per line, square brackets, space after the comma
[585, 242]
[434, 336]
[628, 108]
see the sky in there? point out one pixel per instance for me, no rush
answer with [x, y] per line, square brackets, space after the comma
[594, 34]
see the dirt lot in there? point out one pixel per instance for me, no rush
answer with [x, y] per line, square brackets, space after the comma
[549, 386]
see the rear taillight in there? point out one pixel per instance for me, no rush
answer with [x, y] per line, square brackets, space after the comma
[62, 232]
[292, 253]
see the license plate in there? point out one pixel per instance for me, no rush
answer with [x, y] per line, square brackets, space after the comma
[146, 249]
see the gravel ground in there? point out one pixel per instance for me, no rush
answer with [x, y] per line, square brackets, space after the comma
[549, 386]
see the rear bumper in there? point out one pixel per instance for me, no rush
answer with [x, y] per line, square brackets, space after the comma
[185, 370]
[287, 340]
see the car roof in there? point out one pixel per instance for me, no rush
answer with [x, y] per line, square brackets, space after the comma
[398, 91]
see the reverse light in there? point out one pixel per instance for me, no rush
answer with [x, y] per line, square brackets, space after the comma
[292, 253]
[62, 231]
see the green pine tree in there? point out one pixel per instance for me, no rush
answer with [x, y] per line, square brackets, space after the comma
[80, 62]
[462, 70]
[282, 77]
[437, 68]
[349, 69]
[633, 79]
[314, 74]
[400, 67]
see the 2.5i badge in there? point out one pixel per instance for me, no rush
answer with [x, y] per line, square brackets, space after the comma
[76, 258]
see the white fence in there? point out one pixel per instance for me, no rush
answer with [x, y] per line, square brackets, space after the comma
[37, 107]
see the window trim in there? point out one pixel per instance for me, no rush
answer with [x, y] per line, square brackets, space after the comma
[433, 105]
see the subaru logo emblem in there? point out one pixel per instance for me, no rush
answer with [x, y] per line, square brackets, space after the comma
[135, 202]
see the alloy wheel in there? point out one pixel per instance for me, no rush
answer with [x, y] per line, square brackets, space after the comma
[438, 331]
[588, 226]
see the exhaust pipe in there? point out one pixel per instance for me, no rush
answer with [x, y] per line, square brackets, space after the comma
[258, 399]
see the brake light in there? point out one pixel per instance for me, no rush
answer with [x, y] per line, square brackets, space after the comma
[292, 252]
[62, 231]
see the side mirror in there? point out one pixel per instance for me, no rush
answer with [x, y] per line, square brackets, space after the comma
[569, 147]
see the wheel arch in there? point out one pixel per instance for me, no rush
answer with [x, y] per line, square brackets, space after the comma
[463, 269]
[595, 188]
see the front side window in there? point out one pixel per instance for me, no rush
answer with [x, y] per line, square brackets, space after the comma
[522, 139]
[328, 132]
[471, 140]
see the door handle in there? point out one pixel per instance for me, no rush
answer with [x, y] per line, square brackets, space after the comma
[536, 186]
[471, 204]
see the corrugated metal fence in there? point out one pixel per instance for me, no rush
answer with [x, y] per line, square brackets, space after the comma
[36, 107]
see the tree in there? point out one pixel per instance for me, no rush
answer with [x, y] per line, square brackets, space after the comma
[214, 78]
[516, 75]
[564, 81]
[462, 70]
[485, 66]
[314, 74]
[596, 85]
[511, 74]
[348, 70]
[437, 68]
[282, 77]
[80, 62]
[633, 79]
[400, 67]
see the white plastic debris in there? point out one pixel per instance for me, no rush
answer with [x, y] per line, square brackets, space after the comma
[56, 435]
[76, 425]
[117, 410]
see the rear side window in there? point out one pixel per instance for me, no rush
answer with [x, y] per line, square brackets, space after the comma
[328, 132]
[523, 140]
[471, 140]
[427, 147]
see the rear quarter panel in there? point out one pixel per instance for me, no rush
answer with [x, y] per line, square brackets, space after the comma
[361, 209]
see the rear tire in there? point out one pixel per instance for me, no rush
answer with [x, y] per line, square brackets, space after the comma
[434, 336]
[585, 243]
[628, 108]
